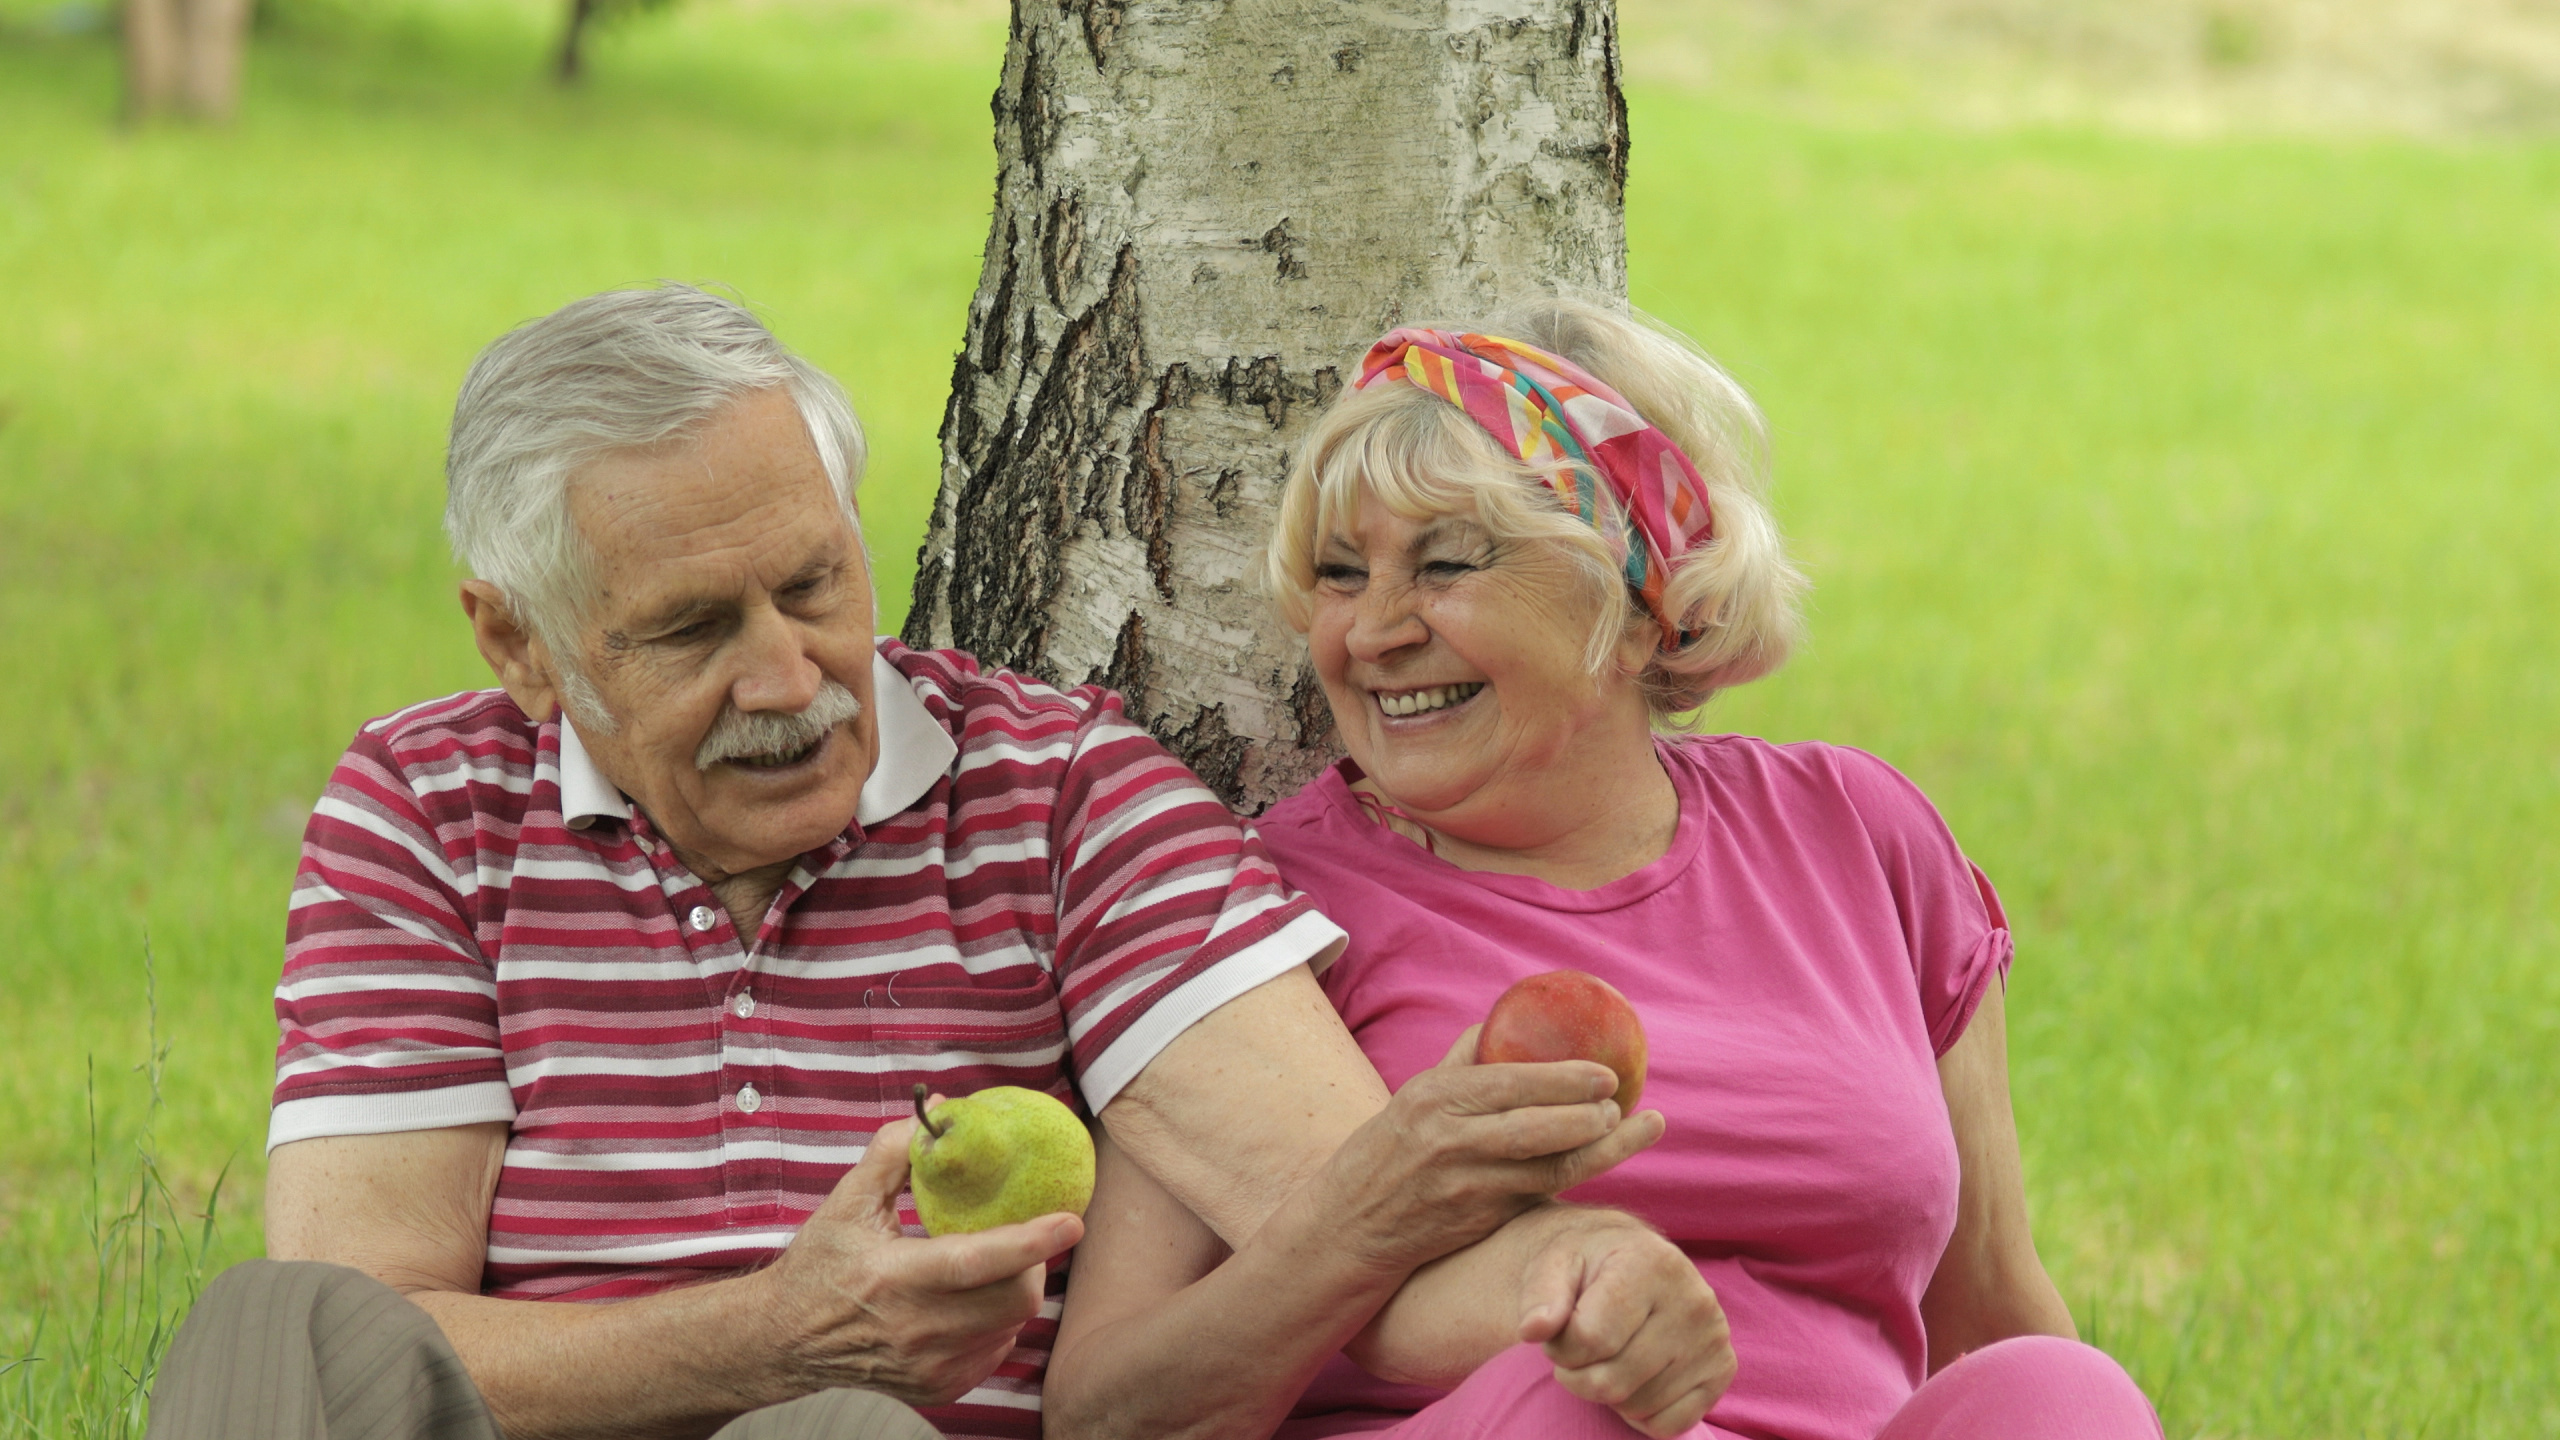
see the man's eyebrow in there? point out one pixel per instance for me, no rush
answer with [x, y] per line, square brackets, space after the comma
[822, 567]
[674, 615]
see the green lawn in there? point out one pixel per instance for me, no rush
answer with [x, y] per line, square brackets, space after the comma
[2182, 514]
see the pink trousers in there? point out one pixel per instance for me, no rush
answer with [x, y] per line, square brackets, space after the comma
[2034, 1388]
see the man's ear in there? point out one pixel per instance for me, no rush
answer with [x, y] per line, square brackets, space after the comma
[519, 660]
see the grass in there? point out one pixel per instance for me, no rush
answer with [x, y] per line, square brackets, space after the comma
[2430, 67]
[2181, 513]
[86, 1365]
[2182, 516]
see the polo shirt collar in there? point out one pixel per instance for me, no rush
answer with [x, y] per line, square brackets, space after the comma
[585, 795]
[915, 751]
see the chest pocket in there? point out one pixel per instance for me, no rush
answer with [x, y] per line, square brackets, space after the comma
[959, 1039]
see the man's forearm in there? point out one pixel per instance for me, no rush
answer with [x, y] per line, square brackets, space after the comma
[676, 1365]
[1225, 1358]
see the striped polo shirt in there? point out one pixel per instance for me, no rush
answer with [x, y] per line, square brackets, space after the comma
[1031, 892]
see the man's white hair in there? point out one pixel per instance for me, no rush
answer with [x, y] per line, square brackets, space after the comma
[617, 371]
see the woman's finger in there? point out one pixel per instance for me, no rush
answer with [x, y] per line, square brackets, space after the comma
[1492, 1089]
[1610, 1382]
[1462, 1052]
[1533, 1132]
[1676, 1417]
[1696, 1381]
[1624, 1284]
[1548, 1293]
[1607, 1314]
[1633, 1136]
[1671, 1373]
[1654, 1384]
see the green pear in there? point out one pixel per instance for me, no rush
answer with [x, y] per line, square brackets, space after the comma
[998, 1157]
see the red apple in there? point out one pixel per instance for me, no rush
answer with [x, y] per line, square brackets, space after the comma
[1567, 1015]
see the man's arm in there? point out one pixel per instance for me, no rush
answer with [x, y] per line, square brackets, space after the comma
[1248, 1103]
[1162, 1340]
[852, 1302]
[1990, 1284]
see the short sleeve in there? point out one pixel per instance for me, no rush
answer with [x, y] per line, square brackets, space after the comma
[387, 1013]
[1168, 906]
[1952, 924]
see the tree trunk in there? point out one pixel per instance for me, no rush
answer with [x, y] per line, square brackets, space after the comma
[154, 51]
[209, 80]
[183, 55]
[573, 43]
[1204, 212]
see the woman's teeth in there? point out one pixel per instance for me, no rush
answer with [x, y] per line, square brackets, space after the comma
[1417, 702]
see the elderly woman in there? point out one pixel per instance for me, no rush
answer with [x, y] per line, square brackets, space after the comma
[1516, 560]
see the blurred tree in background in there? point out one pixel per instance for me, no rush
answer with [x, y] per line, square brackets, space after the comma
[584, 16]
[183, 56]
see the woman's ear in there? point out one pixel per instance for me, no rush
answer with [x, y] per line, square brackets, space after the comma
[1638, 642]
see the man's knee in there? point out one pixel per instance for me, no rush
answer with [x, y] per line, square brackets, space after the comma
[296, 1348]
[831, 1415]
[291, 1293]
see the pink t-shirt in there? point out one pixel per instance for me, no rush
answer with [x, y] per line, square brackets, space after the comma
[1810, 944]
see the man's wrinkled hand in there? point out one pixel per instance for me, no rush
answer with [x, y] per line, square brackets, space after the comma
[863, 1304]
[1463, 1148]
[1629, 1323]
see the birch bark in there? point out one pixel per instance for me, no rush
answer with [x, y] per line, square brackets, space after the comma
[1205, 210]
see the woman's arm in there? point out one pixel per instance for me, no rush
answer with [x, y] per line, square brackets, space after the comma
[1990, 1284]
[1166, 1334]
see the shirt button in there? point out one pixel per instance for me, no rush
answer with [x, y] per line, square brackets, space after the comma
[745, 1005]
[702, 917]
[748, 1100]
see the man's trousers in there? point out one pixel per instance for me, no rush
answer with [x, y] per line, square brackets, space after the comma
[295, 1350]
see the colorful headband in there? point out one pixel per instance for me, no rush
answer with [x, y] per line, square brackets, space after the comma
[1545, 408]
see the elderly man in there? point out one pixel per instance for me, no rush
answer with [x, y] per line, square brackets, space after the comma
[600, 986]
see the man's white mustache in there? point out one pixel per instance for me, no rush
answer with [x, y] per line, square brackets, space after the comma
[737, 734]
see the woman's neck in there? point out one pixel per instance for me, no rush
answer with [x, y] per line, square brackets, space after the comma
[1577, 828]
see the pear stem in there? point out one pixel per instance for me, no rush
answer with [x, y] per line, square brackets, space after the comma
[936, 1131]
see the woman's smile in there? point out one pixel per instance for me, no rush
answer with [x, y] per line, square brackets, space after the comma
[1425, 704]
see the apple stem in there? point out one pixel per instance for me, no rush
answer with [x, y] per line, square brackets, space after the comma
[922, 1118]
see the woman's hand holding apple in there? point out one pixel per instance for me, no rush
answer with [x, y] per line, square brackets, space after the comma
[1463, 1148]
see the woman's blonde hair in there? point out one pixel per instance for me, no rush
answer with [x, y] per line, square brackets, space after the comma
[1737, 596]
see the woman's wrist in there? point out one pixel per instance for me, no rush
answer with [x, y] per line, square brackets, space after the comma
[1340, 1235]
[1369, 1207]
